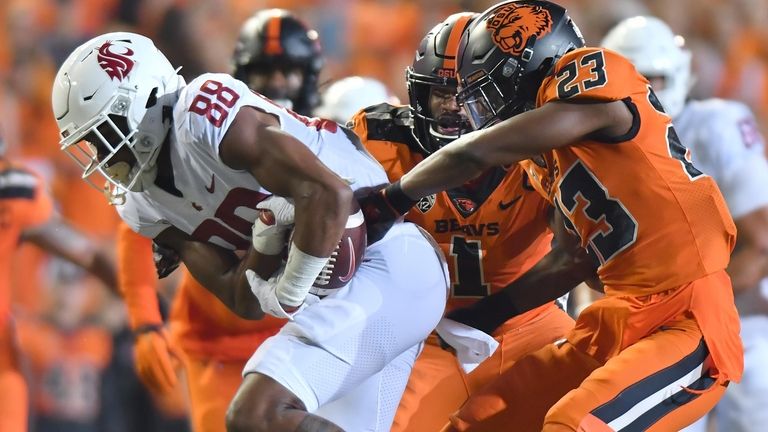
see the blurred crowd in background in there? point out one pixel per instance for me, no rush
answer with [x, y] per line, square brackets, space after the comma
[70, 327]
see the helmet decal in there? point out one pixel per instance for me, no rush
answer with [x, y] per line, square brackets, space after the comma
[514, 24]
[449, 63]
[273, 46]
[116, 65]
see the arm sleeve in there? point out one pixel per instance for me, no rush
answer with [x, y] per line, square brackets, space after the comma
[136, 277]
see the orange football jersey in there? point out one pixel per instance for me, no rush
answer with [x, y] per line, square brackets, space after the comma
[492, 230]
[24, 203]
[654, 221]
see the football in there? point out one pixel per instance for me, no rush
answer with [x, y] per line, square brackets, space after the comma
[346, 258]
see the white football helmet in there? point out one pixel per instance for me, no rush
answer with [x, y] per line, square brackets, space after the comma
[342, 99]
[113, 101]
[650, 44]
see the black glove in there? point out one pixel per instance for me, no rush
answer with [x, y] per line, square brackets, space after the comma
[382, 208]
[166, 260]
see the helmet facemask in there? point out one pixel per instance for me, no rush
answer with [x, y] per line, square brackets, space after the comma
[109, 157]
[485, 101]
[431, 79]
[434, 131]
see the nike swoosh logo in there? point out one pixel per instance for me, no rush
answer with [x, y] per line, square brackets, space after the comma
[505, 205]
[212, 187]
[351, 271]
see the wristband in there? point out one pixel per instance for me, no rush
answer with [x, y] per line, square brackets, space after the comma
[299, 275]
[396, 198]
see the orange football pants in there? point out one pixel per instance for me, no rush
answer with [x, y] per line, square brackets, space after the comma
[14, 397]
[212, 385]
[438, 386]
[658, 382]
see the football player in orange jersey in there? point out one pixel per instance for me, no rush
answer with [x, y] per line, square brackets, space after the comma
[26, 214]
[726, 143]
[281, 58]
[658, 350]
[493, 230]
[210, 341]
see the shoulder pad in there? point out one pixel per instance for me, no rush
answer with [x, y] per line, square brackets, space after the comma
[591, 74]
[393, 123]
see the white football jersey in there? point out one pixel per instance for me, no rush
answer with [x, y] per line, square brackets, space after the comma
[213, 202]
[726, 144]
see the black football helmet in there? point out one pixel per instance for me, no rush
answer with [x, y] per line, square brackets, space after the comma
[435, 66]
[505, 55]
[275, 38]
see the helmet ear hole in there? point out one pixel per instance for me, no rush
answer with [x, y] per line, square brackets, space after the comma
[152, 99]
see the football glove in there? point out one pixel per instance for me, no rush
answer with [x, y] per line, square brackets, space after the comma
[265, 291]
[382, 208]
[276, 216]
[166, 260]
[156, 359]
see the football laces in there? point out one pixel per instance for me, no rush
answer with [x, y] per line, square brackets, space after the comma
[324, 278]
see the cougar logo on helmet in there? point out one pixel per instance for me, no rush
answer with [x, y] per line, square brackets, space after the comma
[116, 65]
[514, 24]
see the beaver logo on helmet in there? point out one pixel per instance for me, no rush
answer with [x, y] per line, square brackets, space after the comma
[513, 24]
[116, 65]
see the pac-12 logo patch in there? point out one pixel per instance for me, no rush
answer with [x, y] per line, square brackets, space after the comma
[426, 203]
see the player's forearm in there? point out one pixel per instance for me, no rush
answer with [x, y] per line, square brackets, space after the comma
[449, 167]
[552, 277]
[748, 266]
[60, 239]
[102, 267]
[322, 211]
[220, 271]
[223, 274]
[749, 260]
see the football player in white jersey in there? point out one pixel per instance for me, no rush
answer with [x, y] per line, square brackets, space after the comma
[726, 144]
[188, 164]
